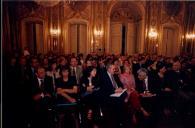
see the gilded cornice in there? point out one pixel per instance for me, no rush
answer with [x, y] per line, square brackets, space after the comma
[77, 10]
[24, 11]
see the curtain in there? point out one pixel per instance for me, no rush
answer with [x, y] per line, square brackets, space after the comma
[10, 28]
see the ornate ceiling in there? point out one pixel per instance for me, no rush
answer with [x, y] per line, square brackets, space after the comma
[125, 11]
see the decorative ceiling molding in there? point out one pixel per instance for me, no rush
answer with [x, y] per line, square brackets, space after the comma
[30, 10]
[172, 11]
[172, 8]
[78, 6]
[126, 12]
[123, 14]
[77, 10]
[47, 3]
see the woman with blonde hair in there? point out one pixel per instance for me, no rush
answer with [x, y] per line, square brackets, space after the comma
[133, 98]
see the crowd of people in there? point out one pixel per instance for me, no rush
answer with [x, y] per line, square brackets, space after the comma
[72, 91]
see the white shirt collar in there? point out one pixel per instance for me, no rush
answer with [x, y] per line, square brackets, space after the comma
[146, 83]
[39, 80]
[146, 79]
[109, 74]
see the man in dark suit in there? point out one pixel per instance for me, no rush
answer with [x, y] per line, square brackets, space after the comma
[145, 82]
[112, 107]
[138, 65]
[42, 94]
[147, 87]
[75, 69]
[175, 83]
[30, 70]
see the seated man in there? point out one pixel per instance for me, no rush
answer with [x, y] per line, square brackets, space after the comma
[42, 91]
[146, 87]
[112, 107]
[145, 84]
[175, 83]
[75, 70]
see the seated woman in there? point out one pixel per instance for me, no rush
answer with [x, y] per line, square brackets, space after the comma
[53, 73]
[132, 98]
[66, 87]
[89, 89]
[67, 92]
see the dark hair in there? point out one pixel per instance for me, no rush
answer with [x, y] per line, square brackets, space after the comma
[159, 66]
[149, 63]
[64, 68]
[33, 58]
[89, 70]
[73, 57]
[50, 65]
[61, 58]
[39, 67]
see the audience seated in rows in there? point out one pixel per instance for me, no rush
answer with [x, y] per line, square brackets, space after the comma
[155, 85]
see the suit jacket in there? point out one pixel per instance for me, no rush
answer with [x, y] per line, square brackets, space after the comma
[79, 73]
[30, 74]
[47, 88]
[89, 98]
[106, 87]
[152, 85]
[85, 83]
[175, 80]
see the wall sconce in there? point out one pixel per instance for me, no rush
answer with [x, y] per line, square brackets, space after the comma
[153, 46]
[152, 33]
[98, 33]
[190, 36]
[55, 32]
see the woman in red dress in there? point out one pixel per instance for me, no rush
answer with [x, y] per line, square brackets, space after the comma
[133, 98]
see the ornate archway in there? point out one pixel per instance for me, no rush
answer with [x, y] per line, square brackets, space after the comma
[125, 27]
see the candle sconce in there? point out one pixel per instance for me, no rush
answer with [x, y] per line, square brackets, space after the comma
[153, 36]
[54, 39]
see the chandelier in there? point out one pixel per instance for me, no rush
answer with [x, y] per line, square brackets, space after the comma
[51, 3]
[47, 3]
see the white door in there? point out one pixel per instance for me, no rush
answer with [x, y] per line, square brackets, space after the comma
[39, 37]
[73, 38]
[116, 38]
[131, 39]
[83, 38]
[170, 42]
[78, 38]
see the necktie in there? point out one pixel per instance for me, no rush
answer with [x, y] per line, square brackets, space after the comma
[145, 85]
[73, 72]
[42, 84]
[54, 79]
[54, 75]
[90, 81]
[114, 82]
